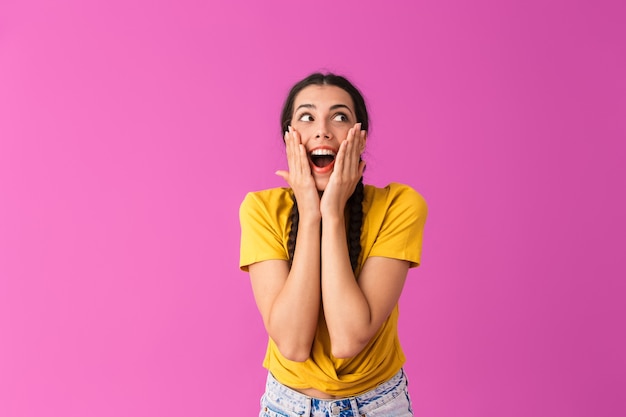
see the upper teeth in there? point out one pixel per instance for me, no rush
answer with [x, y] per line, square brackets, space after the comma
[322, 152]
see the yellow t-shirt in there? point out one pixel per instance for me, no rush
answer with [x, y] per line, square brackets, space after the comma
[393, 223]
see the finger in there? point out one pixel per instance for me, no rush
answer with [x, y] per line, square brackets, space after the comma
[298, 151]
[361, 168]
[287, 140]
[303, 162]
[303, 159]
[288, 144]
[363, 140]
[357, 142]
[341, 154]
[283, 174]
[352, 152]
[293, 153]
[348, 159]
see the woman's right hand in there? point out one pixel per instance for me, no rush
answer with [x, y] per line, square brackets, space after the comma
[299, 176]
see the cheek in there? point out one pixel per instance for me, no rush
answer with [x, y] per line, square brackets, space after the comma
[304, 129]
[320, 183]
[342, 134]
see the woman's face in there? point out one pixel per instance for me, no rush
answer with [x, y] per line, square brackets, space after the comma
[323, 115]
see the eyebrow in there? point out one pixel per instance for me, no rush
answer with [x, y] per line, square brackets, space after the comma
[333, 107]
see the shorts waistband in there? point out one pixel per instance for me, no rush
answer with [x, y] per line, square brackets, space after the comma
[300, 404]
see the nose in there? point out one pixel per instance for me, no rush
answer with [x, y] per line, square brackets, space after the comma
[323, 132]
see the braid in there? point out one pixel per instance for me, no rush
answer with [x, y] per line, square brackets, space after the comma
[293, 233]
[355, 204]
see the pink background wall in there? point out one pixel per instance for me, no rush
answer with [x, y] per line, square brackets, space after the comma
[130, 130]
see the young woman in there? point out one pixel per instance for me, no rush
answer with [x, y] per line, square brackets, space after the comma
[327, 259]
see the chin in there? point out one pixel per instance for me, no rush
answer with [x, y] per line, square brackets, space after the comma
[321, 185]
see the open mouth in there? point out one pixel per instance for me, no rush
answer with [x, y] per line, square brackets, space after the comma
[322, 158]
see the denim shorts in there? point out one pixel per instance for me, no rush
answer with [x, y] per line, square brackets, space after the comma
[389, 399]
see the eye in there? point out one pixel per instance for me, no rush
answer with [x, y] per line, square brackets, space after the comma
[306, 117]
[340, 117]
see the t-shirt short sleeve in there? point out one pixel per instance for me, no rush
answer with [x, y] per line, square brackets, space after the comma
[402, 227]
[263, 218]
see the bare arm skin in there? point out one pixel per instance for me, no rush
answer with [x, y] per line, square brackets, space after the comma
[289, 300]
[354, 310]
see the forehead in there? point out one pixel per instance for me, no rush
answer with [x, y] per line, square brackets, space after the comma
[323, 96]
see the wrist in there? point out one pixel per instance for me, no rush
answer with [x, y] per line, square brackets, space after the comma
[310, 217]
[331, 217]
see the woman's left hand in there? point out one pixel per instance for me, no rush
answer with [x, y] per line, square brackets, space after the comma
[346, 174]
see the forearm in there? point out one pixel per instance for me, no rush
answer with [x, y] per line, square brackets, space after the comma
[346, 308]
[294, 314]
